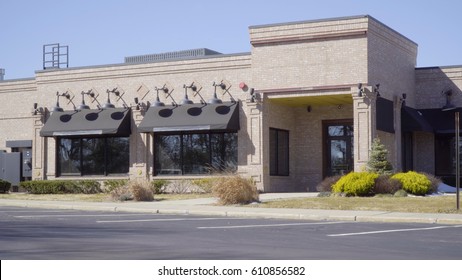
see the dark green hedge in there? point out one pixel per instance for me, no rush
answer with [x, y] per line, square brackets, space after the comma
[61, 186]
[4, 186]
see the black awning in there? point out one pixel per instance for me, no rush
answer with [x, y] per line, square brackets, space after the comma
[114, 122]
[414, 120]
[384, 115]
[191, 117]
[441, 121]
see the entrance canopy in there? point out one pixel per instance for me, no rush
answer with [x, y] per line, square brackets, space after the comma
[191, 117]
[115, 122]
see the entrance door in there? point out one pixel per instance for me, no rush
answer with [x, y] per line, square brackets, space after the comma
[338, 151]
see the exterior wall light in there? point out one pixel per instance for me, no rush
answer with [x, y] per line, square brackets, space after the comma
[186, 100]
[117, 93]
[82, 105]
[362, 91]
[158, 103]
[38, 110]
[168, 93]
[253, 95]
[215, 99]
[108, 103]
[56, 108]
[448, 106]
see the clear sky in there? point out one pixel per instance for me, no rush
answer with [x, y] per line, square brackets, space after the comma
[105, 31]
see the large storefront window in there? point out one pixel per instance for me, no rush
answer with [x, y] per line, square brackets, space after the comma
[195, 153]
[93, 156]
[279, 152]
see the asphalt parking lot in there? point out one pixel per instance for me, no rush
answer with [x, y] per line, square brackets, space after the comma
[28, 233]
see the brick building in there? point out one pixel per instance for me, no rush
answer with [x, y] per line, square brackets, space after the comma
[304, 104]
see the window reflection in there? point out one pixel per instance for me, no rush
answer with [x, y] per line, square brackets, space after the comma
[69, 156]
[195, 153]
[93, 156]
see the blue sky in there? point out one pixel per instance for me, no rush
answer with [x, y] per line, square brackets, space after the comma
[104, 32]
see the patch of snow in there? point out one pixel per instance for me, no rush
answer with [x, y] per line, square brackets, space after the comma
[443, 188]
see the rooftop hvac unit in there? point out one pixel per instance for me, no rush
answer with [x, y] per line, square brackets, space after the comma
[194, 53]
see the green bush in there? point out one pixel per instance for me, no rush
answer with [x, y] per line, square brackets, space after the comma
[4, 186]
[158, 186]
[205, 184]
[61, 186]
[356, 184]
[400, 193]
[110, 185]
[413, 182]
[234, 190]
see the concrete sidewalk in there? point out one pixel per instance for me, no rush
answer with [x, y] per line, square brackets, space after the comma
[206, 206]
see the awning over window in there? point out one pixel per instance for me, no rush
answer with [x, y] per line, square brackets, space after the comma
[414, 120]
[191, 117]
[115, 122]
[441, 121]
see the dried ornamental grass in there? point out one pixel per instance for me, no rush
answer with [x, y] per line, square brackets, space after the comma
[235, 190]
[141, 190]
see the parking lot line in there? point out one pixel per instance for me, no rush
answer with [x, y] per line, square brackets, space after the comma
[271, 225]
[78, 215]
[165, 220]
[391, 230]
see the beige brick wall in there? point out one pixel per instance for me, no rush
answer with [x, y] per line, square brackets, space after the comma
[432, 81]
[309, 54]
[16, 104]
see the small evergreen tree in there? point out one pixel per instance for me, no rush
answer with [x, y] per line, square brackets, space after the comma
[378, 161]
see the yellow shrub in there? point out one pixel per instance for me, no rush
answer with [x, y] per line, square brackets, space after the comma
[413, 182]
[356, 184]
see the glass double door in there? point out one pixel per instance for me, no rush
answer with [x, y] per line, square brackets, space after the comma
[338, 149]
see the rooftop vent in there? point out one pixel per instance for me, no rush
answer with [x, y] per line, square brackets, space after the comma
[194, 53]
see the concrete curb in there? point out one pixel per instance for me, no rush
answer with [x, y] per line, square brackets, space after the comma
[243, 212]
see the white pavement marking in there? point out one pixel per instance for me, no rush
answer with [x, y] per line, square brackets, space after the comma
[391, 230]
[165, 220]
[272, 225]
[81, 215]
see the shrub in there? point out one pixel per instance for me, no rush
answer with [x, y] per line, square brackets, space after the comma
[205, 184]
[356, 184]
[234, 190]
[121, 193]
[182, 186]
[83, 186]
[434, 182]
[158, 186]
[141, 190]
[327, 183]
[378, 161]
[4, 186]
[110, 185]
[400, 193]
[413, 182]
[386, 185]
[61, 186]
